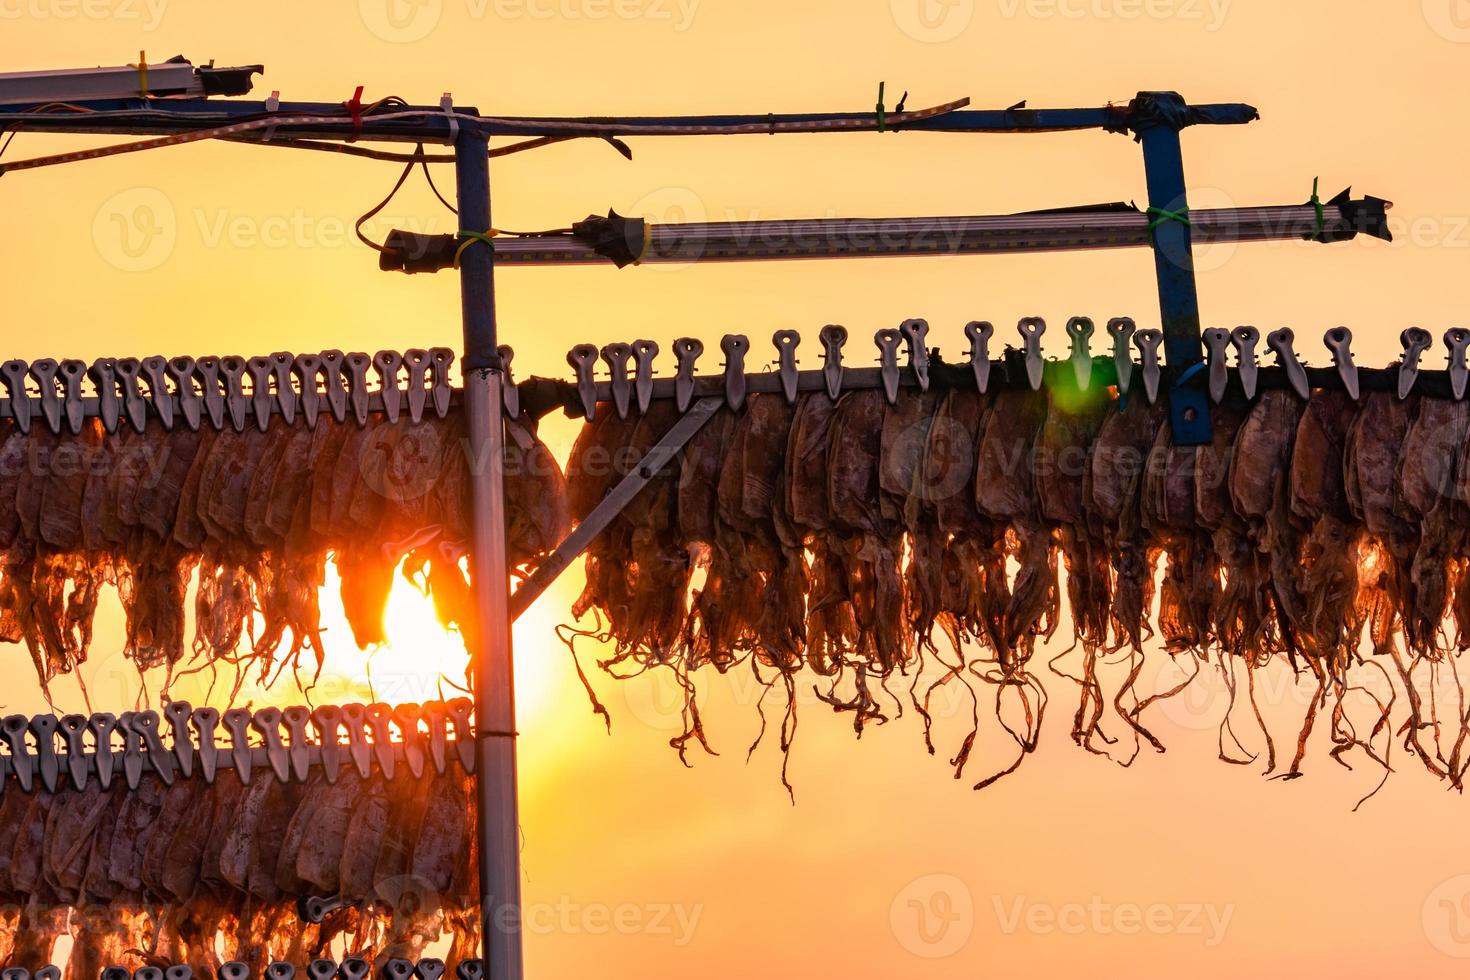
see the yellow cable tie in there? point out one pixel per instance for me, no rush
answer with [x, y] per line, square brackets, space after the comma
[142, 67]
[647, 241]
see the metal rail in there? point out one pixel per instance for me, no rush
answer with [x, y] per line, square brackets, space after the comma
[351, 968]
[140, 117]
[47, 752]
[828, 238]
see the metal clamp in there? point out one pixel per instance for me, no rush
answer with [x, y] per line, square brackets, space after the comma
[440, 361]
[735, 347]
[644, 351]
[355, 368]
[1245, 340]
[1416, 341]
[1457, 339]
[1147, 341]
[417, 361]
[282, 363]
[1281, 342]
[389, 365]
[44, 373]
[888, 341]
[979, 332]
[832, 337]
[204, 722]
[237, 723]
[102, 725]
[583, 360]
[1080, 330]
[207, 369]
[616, 357]
[13, 373]
[916, 334]
[1339, 341]
[336, 391]
[686, 353]
[182, 370]
[1121, 329]
[1217, 343]
[259, 370]
[109, 402]
[786, 342]
[13, 730]
[1031, 328]
[71, 374]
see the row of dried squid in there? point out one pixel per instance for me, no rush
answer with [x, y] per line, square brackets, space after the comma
[202, 874]
[857, 538]
[255, 517]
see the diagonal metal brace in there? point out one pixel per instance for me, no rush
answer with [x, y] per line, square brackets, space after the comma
[612, 505]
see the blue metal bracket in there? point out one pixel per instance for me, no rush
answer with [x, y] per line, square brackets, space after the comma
[1156, 119]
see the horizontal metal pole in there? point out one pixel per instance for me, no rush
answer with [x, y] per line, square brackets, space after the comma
[828, 238]
[153, 118]
[1010, 372]
[39, 87]
[136, 117]
[1005, 372]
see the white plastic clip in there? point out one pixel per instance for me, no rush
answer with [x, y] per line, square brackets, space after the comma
[272, 105]
[446, 103]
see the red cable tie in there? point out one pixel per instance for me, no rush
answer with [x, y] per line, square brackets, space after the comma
[355, 107]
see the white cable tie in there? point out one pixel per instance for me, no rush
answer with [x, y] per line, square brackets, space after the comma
[272, 105]
[447, 104]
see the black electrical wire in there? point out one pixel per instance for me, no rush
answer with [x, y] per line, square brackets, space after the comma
[407, 169]
[430, 178]
[357, 151]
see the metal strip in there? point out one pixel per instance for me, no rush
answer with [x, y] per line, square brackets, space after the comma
[659, 456]
[259, 756]
[835, 238]
[143, 118]
[498, 816]
[1163, 161]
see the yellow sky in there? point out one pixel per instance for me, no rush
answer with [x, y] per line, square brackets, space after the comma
[635, 866]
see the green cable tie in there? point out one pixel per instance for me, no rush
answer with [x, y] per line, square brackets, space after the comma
[470, 237]
[1160, 215]
[478, 236]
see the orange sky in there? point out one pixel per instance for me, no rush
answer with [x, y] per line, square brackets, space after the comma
[635, 866]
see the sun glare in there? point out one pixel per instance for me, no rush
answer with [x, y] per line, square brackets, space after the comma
[422, 661]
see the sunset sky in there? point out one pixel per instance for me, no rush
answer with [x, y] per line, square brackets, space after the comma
[635, 866]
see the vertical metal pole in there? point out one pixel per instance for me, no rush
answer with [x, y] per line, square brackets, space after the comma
[495, 710]
[1158, 119]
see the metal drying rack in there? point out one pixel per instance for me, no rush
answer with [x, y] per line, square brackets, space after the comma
[213, 389]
